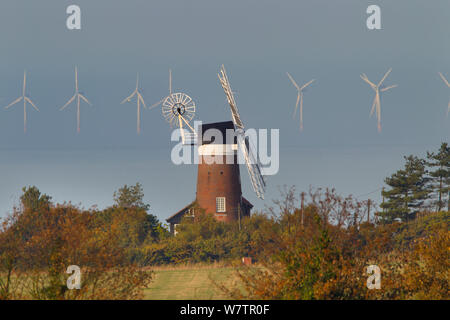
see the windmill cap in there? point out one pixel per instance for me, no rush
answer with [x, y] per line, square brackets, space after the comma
[221, 127]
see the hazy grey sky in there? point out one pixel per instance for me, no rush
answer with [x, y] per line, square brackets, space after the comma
[258, 41]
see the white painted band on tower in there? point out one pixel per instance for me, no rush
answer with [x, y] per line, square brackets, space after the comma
[217, 149]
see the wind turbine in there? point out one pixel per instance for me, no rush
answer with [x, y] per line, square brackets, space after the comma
[77, 96]
[139, 100]
[25, 99]
[448, 85]
[378, 89]
[299, 98]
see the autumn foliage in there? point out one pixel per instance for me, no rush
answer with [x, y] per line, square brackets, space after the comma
[314, 245]
[38, 243]
[323, 251]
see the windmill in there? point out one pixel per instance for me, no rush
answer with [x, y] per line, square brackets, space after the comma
[178, 109]
[251, 160]
[448, 86]
[139, 100]
[78, 95]
[378, 90]
[219, 190]
[25, 99]
[299, 98]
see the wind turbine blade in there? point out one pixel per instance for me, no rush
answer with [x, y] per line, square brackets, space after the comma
[301, 112]
[137, 81]
[156, 104]
[14, 102]
[138, 124]
[364, 77]
[31, 102]
[296, 105]
[384, 78]
[68, 102]
[373, 106]
[293, 81]
[388, 88]
[85, 99]
[127, 99]
[379, 109]
[307, 84]
[24, 83]
[444, 79]
[76, 79]
[142, 100]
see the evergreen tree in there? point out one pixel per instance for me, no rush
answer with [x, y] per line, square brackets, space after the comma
[441, 175]
[33, 199]
[408, 191]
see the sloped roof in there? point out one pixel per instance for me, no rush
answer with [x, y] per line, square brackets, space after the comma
[182, 211]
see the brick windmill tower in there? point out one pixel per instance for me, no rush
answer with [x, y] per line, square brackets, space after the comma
[219, 190]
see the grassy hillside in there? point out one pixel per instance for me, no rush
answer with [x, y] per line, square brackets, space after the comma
[188, 282]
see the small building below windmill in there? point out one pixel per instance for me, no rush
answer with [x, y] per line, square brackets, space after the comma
[192, 209]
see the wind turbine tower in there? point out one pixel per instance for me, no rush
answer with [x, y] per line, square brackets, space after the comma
[25, 99]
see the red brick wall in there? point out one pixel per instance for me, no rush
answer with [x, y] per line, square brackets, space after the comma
[219, 180]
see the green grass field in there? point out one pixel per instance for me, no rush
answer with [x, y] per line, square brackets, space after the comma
[189, 283]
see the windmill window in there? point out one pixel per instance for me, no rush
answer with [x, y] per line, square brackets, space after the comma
[220, 204]
[190, 213]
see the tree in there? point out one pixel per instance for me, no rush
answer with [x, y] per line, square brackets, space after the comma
[32, 198]
[42, 248]
[131, 196]
[12, 278]
[408, 191]
[441, 175]
[309, 258]
[129, 203]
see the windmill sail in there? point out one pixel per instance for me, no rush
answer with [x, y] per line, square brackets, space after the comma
[251, 160]
[230, 97]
